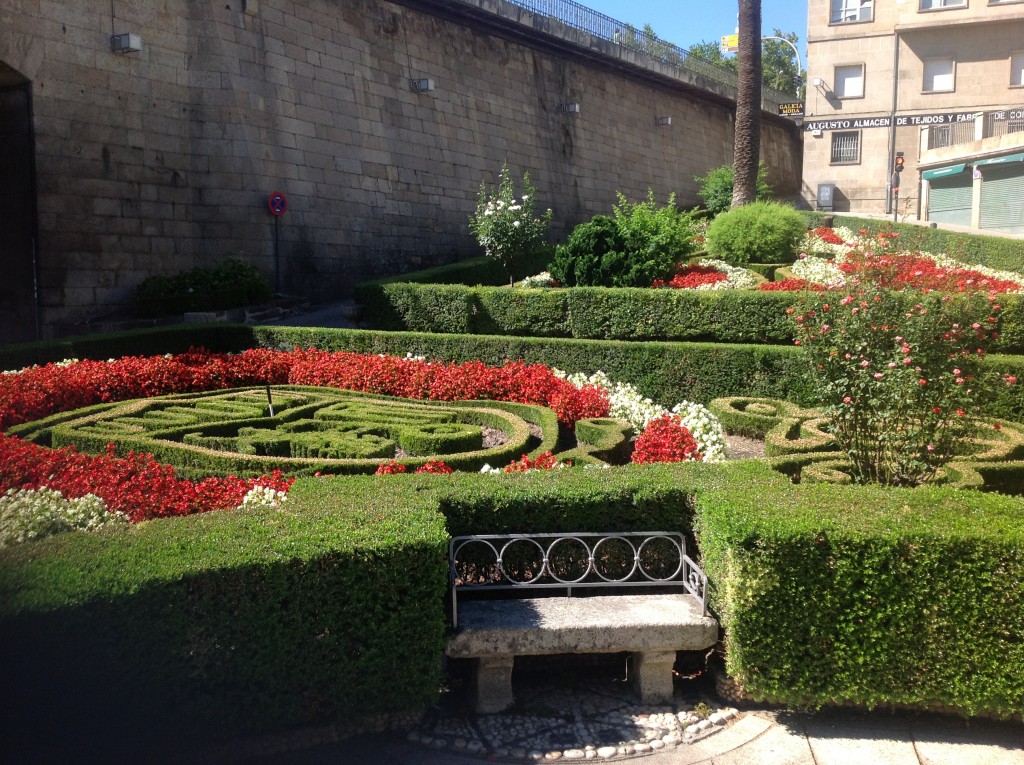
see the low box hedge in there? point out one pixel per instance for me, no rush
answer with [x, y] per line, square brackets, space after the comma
[869, 596]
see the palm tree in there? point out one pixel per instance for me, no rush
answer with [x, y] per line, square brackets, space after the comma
[747, 139]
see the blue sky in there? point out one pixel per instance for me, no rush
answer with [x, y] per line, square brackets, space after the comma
[686, 22]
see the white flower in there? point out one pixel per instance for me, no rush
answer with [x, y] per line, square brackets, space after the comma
[27, 514]
[736, 278]
[543, 279]
[262, 496]
[626, 403]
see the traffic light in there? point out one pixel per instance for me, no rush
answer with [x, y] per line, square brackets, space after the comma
[899, 162]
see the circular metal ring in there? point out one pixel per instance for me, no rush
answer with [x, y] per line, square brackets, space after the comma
[457, 550]
[631, 571]
[501, 560]
[678, 548]
[590, 560]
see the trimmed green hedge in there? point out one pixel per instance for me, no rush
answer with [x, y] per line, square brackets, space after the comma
[992, 251]
[605, 313]
[333, 606]
[226, 622]
[472, 271]
[666, 372]
[870, 596]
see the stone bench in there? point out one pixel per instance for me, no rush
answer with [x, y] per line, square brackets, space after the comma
[670, 615]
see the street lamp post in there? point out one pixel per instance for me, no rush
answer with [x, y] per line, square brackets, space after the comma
[799, 64]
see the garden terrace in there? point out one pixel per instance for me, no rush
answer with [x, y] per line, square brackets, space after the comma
[264, 619]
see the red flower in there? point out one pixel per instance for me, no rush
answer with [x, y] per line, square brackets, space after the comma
[390, 468]
[665, 439]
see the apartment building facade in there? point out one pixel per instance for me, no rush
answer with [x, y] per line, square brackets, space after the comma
[938, 84]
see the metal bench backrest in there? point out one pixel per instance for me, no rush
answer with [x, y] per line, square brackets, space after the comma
[571, 561]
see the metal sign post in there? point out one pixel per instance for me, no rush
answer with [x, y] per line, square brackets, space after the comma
[277, 203]
[895, 183]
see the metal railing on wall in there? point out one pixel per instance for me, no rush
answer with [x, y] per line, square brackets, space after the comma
[584, 19]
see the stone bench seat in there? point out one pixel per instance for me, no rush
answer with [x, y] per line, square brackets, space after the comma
[650, 627]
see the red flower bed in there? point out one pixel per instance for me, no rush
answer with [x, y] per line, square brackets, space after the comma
[827, 235]
[546, 461]
[790, 285]
[665, 440]
[135, 485]
[691, 277]
[41, 391]
[142, 488]
[923, 273]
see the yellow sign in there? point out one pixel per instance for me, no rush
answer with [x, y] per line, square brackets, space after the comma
[730, 43]
[795, 109]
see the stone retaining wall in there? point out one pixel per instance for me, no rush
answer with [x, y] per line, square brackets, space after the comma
[161, 160]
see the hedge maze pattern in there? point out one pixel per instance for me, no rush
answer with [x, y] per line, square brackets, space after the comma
[305, 430]
[798, 444]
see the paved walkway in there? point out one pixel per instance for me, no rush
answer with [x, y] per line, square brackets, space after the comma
[759, 737]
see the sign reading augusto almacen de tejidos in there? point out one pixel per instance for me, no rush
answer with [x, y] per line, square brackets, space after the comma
[915, 120]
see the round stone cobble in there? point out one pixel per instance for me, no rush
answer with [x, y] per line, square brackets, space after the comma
[593, 721]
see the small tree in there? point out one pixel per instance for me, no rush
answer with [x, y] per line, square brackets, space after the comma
[900, 373]
[505, 224]
[716, 187]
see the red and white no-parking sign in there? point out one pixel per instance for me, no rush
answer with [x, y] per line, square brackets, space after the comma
[278, 204]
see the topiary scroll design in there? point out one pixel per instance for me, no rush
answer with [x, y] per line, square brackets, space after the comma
[798, 444]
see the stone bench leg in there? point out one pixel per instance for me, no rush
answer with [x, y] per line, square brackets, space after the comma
[652, 675]
[492, 684]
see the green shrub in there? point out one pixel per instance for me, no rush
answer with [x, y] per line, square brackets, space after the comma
[716, 187]
[231, 284]
[869, 596]
[667, 372]
[640, 244]
[760, 232]
[582, 259]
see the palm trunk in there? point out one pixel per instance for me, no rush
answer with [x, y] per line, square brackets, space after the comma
[747, 142]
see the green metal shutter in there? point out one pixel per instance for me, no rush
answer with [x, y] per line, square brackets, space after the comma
[1002, 198]
[949, 200]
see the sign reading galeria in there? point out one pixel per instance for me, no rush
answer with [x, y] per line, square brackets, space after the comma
[904, 120]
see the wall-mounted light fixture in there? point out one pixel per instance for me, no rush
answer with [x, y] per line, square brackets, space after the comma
[816, 82]
[570, 108]
[664, 120]
[126, 43]
[421, 86]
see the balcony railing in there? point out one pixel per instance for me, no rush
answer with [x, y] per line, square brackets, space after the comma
[584, 19]
[994, 123]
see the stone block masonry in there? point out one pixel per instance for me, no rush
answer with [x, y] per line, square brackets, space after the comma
[162, 160]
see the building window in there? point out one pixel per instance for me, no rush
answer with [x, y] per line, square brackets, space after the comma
[849, 81]
[939, 75]
[1017, 70]
[845, 11]
[938, 5]
[846, 147]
